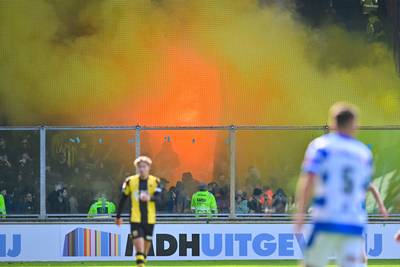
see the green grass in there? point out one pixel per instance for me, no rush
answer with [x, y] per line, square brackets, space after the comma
[249, 263]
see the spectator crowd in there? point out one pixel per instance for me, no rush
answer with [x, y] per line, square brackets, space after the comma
[83, 177]
[19, 183]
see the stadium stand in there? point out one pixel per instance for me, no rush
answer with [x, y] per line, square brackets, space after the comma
[81, 166]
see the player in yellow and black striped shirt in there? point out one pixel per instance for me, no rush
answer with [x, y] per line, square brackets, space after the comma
[144, 191]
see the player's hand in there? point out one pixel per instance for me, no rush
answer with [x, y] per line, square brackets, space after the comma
[144, 197]
[298, 223]
[397, 237]
[118, 221]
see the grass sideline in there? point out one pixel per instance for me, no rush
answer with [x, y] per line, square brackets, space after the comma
[228, 263]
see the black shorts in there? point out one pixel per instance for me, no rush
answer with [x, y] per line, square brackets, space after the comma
[144, 230]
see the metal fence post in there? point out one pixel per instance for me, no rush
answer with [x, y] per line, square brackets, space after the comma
[42, 172]
[232, 172]
[137, 141]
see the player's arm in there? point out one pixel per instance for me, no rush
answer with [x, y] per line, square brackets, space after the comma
[124, 196]
[122, 201]
[157, 193]
[379, 201]
[311, 167]
[304, 192]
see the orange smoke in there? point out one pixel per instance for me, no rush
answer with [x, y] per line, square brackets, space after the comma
[188, 93]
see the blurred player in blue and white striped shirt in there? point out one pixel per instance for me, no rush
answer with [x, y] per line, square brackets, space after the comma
[336, 175]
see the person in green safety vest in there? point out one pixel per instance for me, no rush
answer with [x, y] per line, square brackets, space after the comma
[2, 207]
[203, 202]
[102, 207]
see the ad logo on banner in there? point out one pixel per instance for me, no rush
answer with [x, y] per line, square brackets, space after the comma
[10, 250]
[86, 242]
[223, 244]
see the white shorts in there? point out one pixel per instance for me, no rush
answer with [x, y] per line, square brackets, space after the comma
[347, 249]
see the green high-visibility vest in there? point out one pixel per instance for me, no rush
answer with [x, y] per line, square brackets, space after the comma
[3, 210]
[203, 202]
[101, 206]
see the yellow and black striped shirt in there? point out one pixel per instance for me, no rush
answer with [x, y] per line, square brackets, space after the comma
[141, 212]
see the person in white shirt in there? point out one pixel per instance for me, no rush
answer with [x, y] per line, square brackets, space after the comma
[336, 175]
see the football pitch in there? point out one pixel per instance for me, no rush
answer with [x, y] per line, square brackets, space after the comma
[250, 263]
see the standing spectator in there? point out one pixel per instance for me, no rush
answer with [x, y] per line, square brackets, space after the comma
[203, 202]
[267, 197]
[171, 200]
[279, 201]
[52, 198]
[255, 205]
[241, 203]
[189, 183]
[10, 201]
[26, 146]
[222, 198]
[28, 205]
[73, 202]
[162, 204]
[181, 198]
[62, 204]
[213, 188]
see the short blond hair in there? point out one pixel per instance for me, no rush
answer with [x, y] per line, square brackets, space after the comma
[144, 159]
[342, 113]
